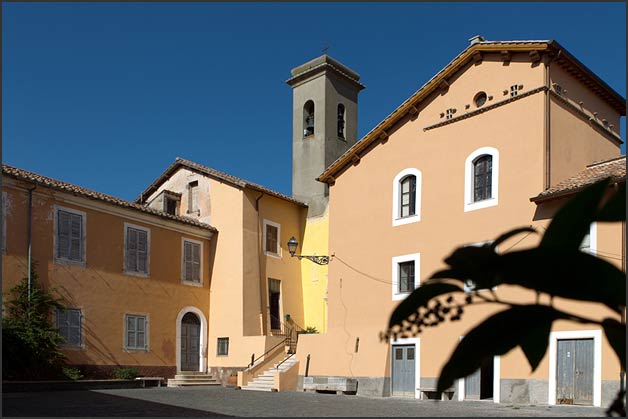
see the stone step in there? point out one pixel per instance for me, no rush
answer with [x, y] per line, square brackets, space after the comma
[259, 385]
[177, 383]
[193, 377]
[255, 389]
[192, 373]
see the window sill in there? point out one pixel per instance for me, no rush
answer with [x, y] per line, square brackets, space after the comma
[222, 355]
[480, 204]
[192, 283]
[69, 262]
[400, 296]
[273, 255]
[68, 347]
[406, 220]
[135, 350]
[137, 274]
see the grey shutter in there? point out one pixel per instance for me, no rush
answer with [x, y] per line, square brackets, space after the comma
[142, 251]
[130, 331]
[196, 262]
[62, 323]
[131, 249]
[74, 327]
[141, 332]
[187, 261]
[76, 227]
[63, 234]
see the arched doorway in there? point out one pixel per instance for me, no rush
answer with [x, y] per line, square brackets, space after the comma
[190, 342]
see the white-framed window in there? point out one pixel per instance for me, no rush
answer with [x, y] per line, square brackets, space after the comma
[405, 275]
[69, 236]
[481, 179]
[589, 243]
[223, 347]
[272, 238]
[469, 285]
[136, 250]
[69, 323]
[406, 197]
[191, 262]
[136, 332]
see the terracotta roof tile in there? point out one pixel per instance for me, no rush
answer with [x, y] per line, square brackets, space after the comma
[614, 169]
[180, 162]
[25, 175]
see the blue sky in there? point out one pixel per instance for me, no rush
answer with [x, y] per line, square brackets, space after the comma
[107, 95]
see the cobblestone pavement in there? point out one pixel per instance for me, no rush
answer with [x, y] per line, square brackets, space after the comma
[220, 401]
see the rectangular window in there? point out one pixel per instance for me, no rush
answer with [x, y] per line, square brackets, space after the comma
[223, 346]
[406, 277]
[191, 261]
[449, 113]
[272, 233]
[69, 325]
[70, 236]
[137, 248]
[171, 205]
[193, 197]
[514, 90]
[135, 333]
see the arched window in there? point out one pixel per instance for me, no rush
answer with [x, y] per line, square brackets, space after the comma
[407, 196]
[308, 118]
[482, 177]
[406, 205]
[341, 121]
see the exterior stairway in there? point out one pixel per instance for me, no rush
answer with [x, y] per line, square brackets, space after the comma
[192, 378]
[266, 380]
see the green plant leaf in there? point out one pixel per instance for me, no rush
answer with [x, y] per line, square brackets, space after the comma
[615, 208]
[510, 234]
[418, 298]
[497, 335]
[571, 222]
[616, 335]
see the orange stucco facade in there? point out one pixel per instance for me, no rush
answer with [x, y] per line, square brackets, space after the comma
[99, 287]
[362, 273]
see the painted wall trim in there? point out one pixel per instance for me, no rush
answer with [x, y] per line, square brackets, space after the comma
[202, 353]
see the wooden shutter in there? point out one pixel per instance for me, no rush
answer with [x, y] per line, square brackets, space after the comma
[271, 238]
[196, 262]
[142, 251]
[63, 234]
[130, 331]
[131, 249]
[187, 261]
[76, 230]
[74, 327]
[140, 332]
[62, 323]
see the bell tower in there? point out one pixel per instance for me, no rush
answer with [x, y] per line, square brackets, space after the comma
[324, 124]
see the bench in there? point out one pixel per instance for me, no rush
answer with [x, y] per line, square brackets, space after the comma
[426, 392]
[156, 381]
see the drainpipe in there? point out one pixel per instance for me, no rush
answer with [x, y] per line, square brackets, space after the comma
[30, 243]
[259, 262]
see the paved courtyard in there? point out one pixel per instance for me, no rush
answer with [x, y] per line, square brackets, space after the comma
[220, 401]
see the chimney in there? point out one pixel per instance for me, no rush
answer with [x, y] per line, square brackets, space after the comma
[476, 39]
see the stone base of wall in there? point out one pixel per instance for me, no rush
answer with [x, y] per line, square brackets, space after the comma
[227, 376]
[367, 386]
[100, 372]
[522, 391]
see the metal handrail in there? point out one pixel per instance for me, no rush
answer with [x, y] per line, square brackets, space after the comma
[290, 356]
[267, 352]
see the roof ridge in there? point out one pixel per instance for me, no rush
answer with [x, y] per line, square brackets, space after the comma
[50, 182]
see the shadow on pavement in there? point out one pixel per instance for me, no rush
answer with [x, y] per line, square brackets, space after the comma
[85, 403]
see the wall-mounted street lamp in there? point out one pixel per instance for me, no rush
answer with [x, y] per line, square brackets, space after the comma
[292, 248]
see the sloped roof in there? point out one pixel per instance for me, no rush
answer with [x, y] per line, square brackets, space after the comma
[613, 168]
[561, 56]
[48, 182]
[235, 181]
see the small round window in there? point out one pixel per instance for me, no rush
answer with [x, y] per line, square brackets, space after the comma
[479, 99]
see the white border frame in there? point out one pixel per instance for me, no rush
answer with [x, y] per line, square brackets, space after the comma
[277, 254]
[417, 362]
[136, 273]
[397, 220]
[496, 381]
[596, 334]
[469, 205]
[55, 257]
[202, 364]
[416, 257]
[593, 238]
[183, 280]
[146, 333]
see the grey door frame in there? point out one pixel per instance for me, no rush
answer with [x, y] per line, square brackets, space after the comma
[596, 334]
[417, 362]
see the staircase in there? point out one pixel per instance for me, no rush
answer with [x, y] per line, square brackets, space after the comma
[192, 378]
[266, 380]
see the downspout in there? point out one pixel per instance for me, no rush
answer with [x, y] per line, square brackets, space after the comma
[30, 243]
[259, 264]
